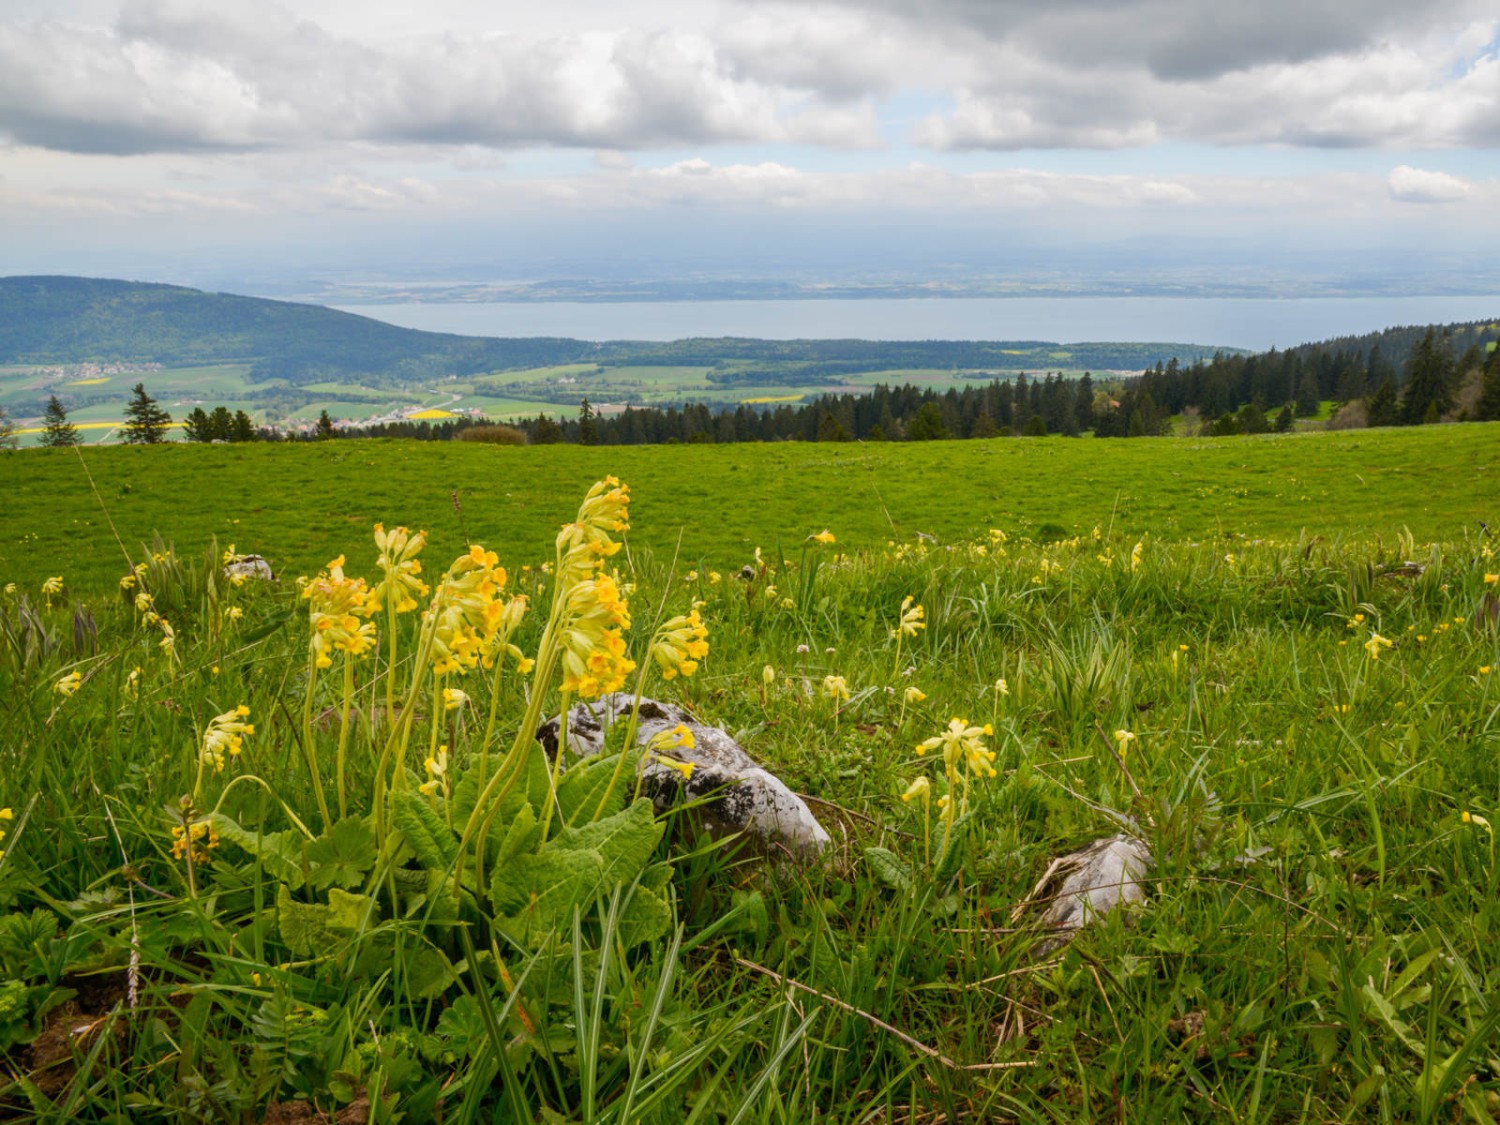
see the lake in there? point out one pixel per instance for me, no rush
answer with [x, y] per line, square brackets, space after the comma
[1256, 323]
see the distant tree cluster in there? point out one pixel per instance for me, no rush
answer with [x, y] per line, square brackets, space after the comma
[219, 424]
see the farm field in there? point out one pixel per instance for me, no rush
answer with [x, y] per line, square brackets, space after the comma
[221, 900]
[294, 503]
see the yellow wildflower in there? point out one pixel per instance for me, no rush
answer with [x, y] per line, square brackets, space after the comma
[335, 606]
[68, 684]
[437, 771]
[1001, 687]
[960, 741]
[453, 699]
[684, 768]
[1375, 644]
[921, 787]
[1491, 579]
[1123, 738]
[52, 588]
[912, 619]
[836, 688]
[189, 838]
[224, 737]
[680, 644]
[400, 566]
[1135, 554]
[914, 695]
[768, 675]
[825, 537]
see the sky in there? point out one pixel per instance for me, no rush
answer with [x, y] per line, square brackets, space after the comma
[262, 147]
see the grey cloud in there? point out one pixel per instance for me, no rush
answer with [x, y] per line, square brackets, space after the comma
[1177, 39]
[178, 76]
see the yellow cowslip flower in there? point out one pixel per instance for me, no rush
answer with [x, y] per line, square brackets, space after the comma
[189, 838]
[584, 544]
[921, 787]
[437, 771]
[663, 742]
[400, 566]
[144, 603]
[127, 583]
[1135, 554]
[233, 614]
[224, 737]
[1375, 644]
[912, 619]
[133, 683]
[335, 605]
[835, 688]
[768, 675]
[52, 588]
[68, 684]
[1491, 579]
[7, 814]
[10, 590]
[914, 695]
[1356, 621]
[680, 644]
[714, 578]
[1229, 558]
[453, 699]
[1484, 669]
[825, 537]
[1001, 687]
[168, 642]
[690, 576]
[960, 741]
[684, 768]
[595, 613]
[1123, 738]
[1474, 818]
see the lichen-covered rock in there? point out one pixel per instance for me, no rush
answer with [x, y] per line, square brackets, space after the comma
[1083, 886]
[739, 794]
[248, 566]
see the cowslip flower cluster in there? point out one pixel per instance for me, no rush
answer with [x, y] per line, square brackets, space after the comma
[196, 838]
[336, 605]
[471, 615]
[680, 644]
[52, 588]
[225, 737]
[6, 815]
[437, 773]
[68, 684]
[593, 643]
[961, 742]
[1376, 644]
[399, 585]
[595, 611]
[912, 619]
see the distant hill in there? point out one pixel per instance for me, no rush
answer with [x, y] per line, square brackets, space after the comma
[73, 319]
[55, 320]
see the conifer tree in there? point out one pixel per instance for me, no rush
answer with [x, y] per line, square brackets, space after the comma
[324, 430]
[8, 439]
[57, 431]
[1487, 409]
[145, 422]
[588, 428]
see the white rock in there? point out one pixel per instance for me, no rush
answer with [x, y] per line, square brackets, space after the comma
[741, 795]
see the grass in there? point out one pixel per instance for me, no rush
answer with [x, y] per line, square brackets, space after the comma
[1317, 943]
[296, 503]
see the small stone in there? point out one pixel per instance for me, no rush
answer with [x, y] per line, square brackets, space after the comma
[1083, 886]
[249, 566]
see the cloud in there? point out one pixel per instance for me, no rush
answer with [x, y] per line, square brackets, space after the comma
[1128, 73]
[1415, 185]
[177, 76]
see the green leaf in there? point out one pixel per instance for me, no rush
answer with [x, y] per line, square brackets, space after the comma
[521, 835]
[646, 917]
[428, 973]
[625, 841]
[534, 788]
[586, 784]
[888, 868]
[430, 838]
[539, 892]
[280, 853]
[312, 928]
[343, 855]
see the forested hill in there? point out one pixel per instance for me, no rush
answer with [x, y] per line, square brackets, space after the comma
[74, 319]
[46, 320]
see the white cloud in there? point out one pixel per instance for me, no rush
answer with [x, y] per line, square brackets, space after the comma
[1416, 185]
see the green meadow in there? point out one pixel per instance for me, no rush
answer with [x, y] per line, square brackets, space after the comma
[295, 503]
[261, 863]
